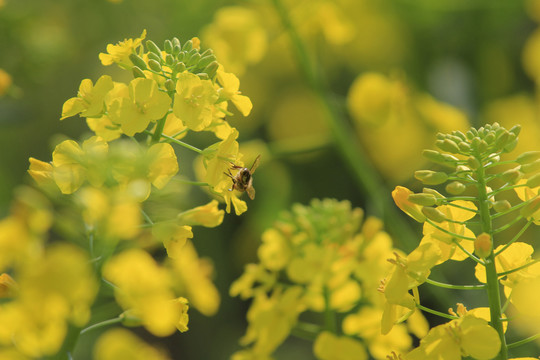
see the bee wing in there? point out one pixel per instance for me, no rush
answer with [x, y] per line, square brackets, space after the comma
[251, 192]
[255, 164]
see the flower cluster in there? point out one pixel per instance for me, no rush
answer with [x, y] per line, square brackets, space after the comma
[321, 259]
[466, 224]
[100, 196]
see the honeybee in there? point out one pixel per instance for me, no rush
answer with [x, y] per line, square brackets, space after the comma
[243, 179]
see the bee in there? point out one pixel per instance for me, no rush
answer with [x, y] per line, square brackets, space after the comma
[243, 179]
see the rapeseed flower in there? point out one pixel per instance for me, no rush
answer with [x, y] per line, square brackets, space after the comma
[119, 54]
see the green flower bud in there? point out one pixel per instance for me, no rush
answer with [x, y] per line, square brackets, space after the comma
[204, 61]
[473, 163]
[530, 167]
[175, 41]
[169, 85]
[169, 59]
[423, 199]
[455, 188]
[155, 57]
[180, 67]
[433, 214]
[490, 138]
[447, 145]
[516, 129]
[483, 146]
[211, 69]
[154, 65]
[203, 76]
[472, 133]
[188, 45]
[137, 61]
[502, 140]
[207, 52]
[181, 56]
[440, 197]
[528, 157]
[152, 47]
[464, 147]
[501, 205]
[176, 50]
[137, 72]
[429, 177]
[194, 59]
[168, 46]
[533, 181]
[531, 208]
[511, 176]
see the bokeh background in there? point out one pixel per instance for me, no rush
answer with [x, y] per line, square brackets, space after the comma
[394, 73]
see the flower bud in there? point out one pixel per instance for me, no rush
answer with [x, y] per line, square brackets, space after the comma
[194, 59]
[211, 69]
[169, 59]
[440, 197]
[137, 61]
[423, 199]
[531, 208]
[434, 214]
[152, 56]
[516, 129]
[528, 157]
[176, 50]
[169, 85]
[483, 245]
[511, 144]
[168, 46]
[530, 167]
[464, 147]
[511, 176]
[429, 177]
[188, 45]
[154, 65]
[203, 76]
[180, 67]
[447, 145]
[205, 60]
[501, 205]
[401, 198]
[152, 47]
[533, 181]
[473, 163]
[137, 72]
[502, 140]
[175, 41]
[455, 188]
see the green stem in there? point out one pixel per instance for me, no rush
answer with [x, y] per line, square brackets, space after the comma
[178, 142]
[515, 238]
[524, 341]
[456, 287]
[492, 280]
[454, 235]
[507, 225]
[351, 151]
[101, 324]
[158, 131]
[504, 273]
[435, 312]
[306, 331]
[330, 321]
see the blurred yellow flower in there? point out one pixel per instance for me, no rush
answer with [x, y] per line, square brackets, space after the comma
[41, 172]
[207, 215]
[328, 346]
[229, 91]
[120, 344]
[5, 80]
[144, 288]
[237, 37]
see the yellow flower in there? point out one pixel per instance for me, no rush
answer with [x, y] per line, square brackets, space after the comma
[145, 103]
[8, 286]
[162, 164]
[230, 85]
[172, 234]
[237, 37]
[144, 288]
[467, 336]
[192, 276]
[119, 53]
[73, 164]
[90, 98]
[401, 198]
[207, 215]
[328, 346]
[120, 344]
[174, 127]
[104, 128]
[5, 80]
[41, 172]
[194, 101]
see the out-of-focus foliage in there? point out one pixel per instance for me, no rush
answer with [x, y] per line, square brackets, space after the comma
[398, 72]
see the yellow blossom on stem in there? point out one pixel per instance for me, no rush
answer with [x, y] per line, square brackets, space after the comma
[194, 101]
[144, 288]
[229, 91]
[41, 172]
[90, 100]
[401, 198]
[331, 347]
[119, 53]
[145, 103]
[118, 344]
[207, 215]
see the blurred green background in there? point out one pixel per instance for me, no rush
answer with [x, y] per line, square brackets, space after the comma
[399, 71]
